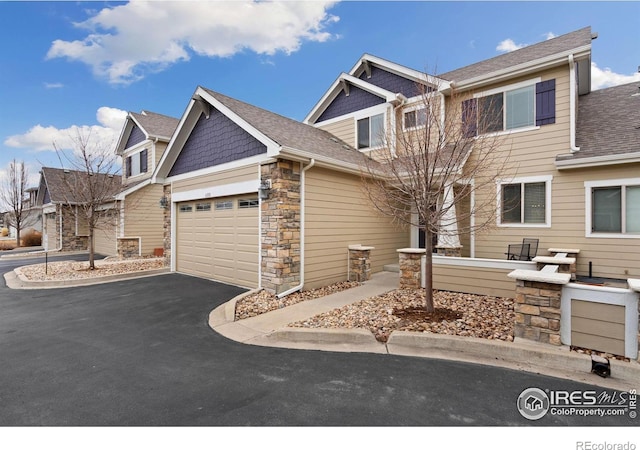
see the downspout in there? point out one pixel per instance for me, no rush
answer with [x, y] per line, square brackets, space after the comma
[572, 104]
[60, 236]
[402, 100]
[312, 162]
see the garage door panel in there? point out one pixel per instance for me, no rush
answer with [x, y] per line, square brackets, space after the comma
[219, 244]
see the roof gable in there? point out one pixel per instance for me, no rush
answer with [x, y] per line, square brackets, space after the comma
[357, 99]
[145, 125]
[56, 184]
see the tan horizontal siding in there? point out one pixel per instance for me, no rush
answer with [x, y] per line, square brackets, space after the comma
[246, 173]
[473, 280]
[143, 218]
[598, 326]
[337, 215]
[343, 129]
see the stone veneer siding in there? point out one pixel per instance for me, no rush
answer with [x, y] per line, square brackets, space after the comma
[128, 247]
[537, 310]
[166, 227]
[359, 263]
[411, 268]
[71, 241]
[280, 227]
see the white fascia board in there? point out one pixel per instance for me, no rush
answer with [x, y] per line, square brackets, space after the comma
[321, 161]
[250, 161]
[169, 156]
[242, 187]
[371, 88]
[133, 189]
[597, 161]
[324, 101]
[524, 68]
[126, 130]
[398, 69]
[271, 145]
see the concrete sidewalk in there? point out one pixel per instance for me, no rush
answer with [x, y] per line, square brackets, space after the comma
[271, 330]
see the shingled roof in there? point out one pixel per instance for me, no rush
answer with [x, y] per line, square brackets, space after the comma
[156, 125]
[57, 182]
[608, 123]
[566, 42]
[291, 133]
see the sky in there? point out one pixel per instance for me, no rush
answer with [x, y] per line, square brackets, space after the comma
[68, 65]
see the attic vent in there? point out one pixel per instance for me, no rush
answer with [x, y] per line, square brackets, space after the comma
[345, 146]
[334, 139]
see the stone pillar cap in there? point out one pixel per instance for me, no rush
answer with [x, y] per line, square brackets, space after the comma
[564, 250]
[542, 277]
[412, 250]
[634, 284]
[360, 247]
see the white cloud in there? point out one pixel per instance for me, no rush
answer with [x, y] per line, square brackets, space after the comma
[126, 42]
[53, 85]
[550, 35]
[508, 46]
[41, 138]
[602, 78]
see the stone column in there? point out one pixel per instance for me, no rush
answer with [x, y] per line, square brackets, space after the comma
[128, 247]
[411, 267]
[359, 263]
[280, 227]
[537, 307]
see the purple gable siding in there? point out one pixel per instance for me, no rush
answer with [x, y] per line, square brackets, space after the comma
[135, 137]
[358, 99]
[214, 141]
[391, 82]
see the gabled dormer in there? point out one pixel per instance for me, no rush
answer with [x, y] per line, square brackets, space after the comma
[359, 106]
[141, 144]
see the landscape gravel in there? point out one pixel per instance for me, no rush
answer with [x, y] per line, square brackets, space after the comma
[75, 270]
[481, 316]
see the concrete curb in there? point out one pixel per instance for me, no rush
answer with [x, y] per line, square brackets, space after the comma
[15, 279]
[40, 254]
[520, 355]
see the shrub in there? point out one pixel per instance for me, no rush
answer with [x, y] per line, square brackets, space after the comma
[4, 232]
[32, 239]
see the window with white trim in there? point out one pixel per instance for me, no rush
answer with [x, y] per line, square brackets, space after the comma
[203, 206]
[186, 208]
[370, 131]
[615, 208]
[525, 202]
[137, 163]
[414, 118]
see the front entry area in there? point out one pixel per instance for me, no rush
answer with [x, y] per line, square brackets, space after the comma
[218, 239]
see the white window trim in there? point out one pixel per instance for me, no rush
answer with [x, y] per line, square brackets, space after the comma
[588, 186]
[137, 154]
[504, 89]
[410, 109]
[547, 179]
[369, 112]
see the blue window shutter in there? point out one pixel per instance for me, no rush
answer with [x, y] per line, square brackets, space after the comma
[129, 166]
[143, 161]
[546, 102]
[470, 117]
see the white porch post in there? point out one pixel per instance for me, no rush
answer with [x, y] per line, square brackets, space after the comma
[448, 238]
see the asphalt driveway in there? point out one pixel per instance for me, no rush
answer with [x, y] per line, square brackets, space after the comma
[140, 352]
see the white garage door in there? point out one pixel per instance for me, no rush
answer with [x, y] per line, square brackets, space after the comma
[218, 239]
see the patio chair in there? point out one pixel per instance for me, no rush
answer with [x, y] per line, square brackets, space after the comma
[523, 252]
[518, 252]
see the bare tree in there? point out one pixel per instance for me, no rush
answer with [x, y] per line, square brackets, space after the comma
[13, 195]
[91, 183]
[430, 168]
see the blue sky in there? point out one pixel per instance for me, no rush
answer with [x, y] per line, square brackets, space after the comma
[85, 64]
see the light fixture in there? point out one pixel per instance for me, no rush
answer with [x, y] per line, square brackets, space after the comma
[164, 202]
[264, 189]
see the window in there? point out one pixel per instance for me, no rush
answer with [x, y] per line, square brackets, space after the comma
[248, 203]
[137, 163]
[615, 209]
[515, 107]
[224, 204]
[186, 208]
[203, 206]
[371, 131]
[415, 118]
[525, 202]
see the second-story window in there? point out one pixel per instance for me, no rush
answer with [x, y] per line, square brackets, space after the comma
[519, 106]
[137, 163]
[370, 131]
[415, 118]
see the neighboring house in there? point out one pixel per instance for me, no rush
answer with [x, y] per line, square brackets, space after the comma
[576, 153]
[136, 228]
[31, 215]
[258, 199]
[64, 227]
